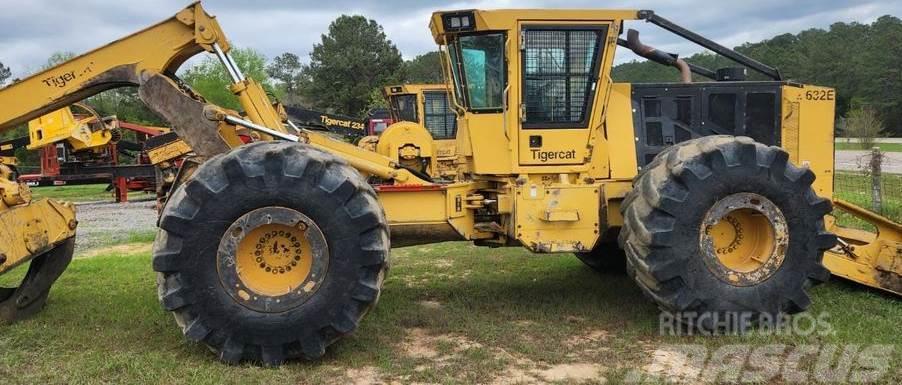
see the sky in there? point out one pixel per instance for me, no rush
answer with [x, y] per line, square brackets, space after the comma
[30, 31]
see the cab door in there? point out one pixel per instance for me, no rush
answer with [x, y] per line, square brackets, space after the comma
[559, 70]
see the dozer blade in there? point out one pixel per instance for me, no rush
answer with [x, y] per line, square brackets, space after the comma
[871, 259]
[31, 295]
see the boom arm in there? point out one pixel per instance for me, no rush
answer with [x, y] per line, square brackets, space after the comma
[161, 48]
[148, 59]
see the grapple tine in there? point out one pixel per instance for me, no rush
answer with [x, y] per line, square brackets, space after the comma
[31, 295]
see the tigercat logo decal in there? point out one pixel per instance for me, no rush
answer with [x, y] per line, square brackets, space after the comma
[341, 123]
[544, 156]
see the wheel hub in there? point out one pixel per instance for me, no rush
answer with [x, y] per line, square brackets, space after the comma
[743, 239]
[272, 259]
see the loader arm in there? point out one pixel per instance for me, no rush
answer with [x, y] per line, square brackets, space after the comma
[148, 59]
[160, 48]
[873, 259]
[43, 231]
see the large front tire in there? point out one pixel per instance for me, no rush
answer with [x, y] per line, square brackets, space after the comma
[725, 225]
[270, 252]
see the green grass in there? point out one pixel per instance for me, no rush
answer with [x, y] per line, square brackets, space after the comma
[855, 188]
[886, 147]
[104, 325]
[81, 193]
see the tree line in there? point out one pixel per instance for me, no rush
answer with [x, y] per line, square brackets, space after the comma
[354, 59]
[861, 61]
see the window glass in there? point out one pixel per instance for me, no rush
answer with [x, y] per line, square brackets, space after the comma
[455, 75]
[404, 107]
[380, 126]
[559, 74]
[440, 119]
[481, 58]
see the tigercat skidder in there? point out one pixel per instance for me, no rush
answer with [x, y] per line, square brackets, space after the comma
[720, 191]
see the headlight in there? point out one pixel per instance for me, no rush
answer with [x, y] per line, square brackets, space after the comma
[459, 21]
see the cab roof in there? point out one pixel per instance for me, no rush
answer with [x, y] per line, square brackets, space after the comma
[442, 23]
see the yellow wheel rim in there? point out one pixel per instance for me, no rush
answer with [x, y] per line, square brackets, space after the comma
[272, 259]
[744, 238]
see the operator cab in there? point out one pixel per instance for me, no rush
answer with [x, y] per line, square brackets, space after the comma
[424, 104]
[529, 82]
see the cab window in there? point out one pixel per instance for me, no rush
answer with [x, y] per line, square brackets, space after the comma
[404, 107]
[478, 70]
[560, 71]
[439, 118]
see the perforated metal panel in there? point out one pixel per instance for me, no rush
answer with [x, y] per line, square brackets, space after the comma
[439, 119]
[666, 114]
[559, 73]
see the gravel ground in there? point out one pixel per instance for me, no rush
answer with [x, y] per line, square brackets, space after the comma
[108, 223]
[857, 160]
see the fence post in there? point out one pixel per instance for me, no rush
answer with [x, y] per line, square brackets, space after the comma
[876, 193]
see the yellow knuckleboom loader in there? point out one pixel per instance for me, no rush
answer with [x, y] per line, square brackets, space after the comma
[86, 131]
[274, 249]
[423, 135]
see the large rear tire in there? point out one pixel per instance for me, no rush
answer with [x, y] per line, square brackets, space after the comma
[270, 252]
[723, 224]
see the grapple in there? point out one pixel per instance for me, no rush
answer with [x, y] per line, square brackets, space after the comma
[31, 295]
[41, 232]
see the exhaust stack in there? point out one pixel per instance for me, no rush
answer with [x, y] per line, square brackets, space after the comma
[634, 44]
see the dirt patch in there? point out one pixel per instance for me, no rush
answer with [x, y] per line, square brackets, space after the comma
[126, 249]
[672, 365]
[410, 280]
[590, 337]
[435, 351]
[419, 344]
[516, 376]
[570, 372]
[443, 264]
[588, 344]
[574, 319]
[521, 370]
[370, 375]
[430, 305]
[525, 373]
[366, 375]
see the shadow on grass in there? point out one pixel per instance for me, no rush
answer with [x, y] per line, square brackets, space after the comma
[104, 324]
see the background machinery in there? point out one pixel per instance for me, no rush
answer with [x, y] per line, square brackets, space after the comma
[275, 249]
[422, 132]
[429, 106]
[78, 146]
